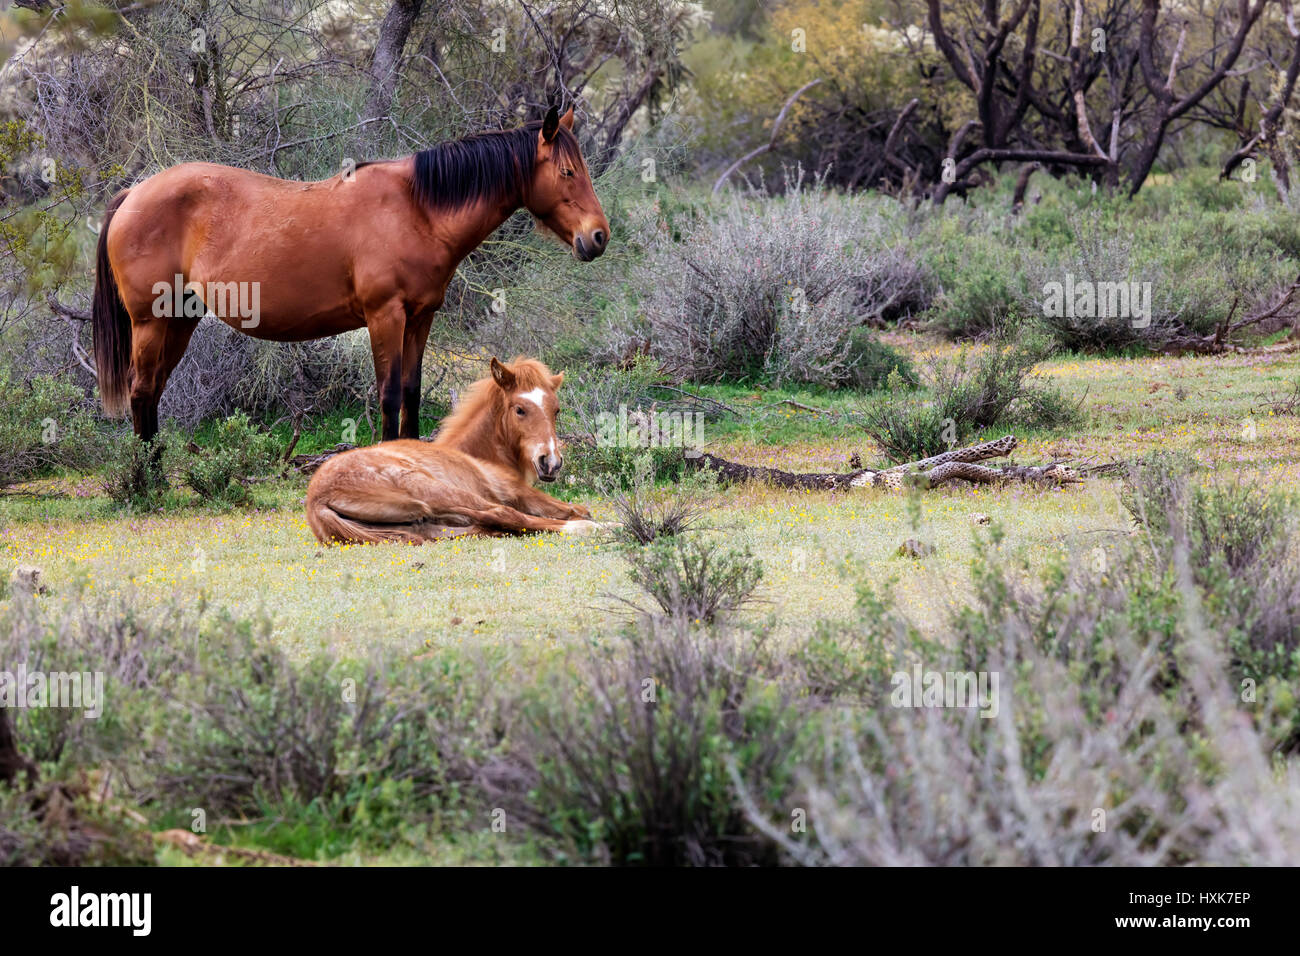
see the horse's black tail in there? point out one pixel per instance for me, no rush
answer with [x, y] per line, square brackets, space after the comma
[112, 325]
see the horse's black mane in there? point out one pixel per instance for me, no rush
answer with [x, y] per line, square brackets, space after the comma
[486, 166]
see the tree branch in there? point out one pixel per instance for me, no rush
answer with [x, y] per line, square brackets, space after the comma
[771, 143]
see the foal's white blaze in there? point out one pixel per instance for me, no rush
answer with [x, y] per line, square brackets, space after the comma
[536, 396]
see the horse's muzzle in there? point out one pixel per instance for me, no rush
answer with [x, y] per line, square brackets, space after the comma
[590, 247]
[546, 471]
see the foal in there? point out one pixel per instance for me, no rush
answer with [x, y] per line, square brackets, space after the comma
[475, 478]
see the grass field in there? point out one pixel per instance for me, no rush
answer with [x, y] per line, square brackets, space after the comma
[262, 560]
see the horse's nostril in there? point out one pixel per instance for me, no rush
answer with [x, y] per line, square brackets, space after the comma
[598, 237]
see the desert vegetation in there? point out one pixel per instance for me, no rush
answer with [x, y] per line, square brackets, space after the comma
[846, 237]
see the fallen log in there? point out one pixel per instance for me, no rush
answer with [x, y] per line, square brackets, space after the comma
[1216, 341]
[307, 464]
[960, 463]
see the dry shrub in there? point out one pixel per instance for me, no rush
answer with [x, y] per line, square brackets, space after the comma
[623, 759]
[1121, 738]
[224, 371]
[773, 289]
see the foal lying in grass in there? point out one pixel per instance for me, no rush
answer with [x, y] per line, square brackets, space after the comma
[475, 478]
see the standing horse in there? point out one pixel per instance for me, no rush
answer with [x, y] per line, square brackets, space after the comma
[475, 478]
[300, 261]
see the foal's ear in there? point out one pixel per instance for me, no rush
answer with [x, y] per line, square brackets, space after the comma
[551, 124]
[557, 381]
[502, 375]
[567, 120]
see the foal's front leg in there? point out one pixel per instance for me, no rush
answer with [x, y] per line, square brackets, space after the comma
[536, 502]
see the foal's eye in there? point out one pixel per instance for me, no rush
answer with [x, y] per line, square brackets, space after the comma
[566, 172]
[519, 410]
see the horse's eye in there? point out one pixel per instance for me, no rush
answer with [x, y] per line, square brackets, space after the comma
[566, 172]
[519, 410]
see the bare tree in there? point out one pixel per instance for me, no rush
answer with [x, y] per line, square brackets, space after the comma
[1169, 105]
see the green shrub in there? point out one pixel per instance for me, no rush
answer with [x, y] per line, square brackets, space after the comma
[203, 711]
[1118, 739]
[964, 396]
[239, 452]
[691, 580]
[1154, 485]
[47, 423]
[1236, 541]
[870, 362]
[610, 468]
[136, 472]
[980, 289]
[630, 760]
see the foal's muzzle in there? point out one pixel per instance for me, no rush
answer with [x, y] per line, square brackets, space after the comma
[548, 466]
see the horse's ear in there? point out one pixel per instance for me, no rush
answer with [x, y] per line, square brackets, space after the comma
[502, 375]
[557, 381]
[567, 120]
[550, 125]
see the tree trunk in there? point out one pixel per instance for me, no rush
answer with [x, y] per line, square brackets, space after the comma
[11, 761]
[387, 61]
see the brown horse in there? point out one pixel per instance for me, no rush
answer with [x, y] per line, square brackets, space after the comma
[475, 478]
[290, 261]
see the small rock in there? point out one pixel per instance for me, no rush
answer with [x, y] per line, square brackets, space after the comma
[911, 548]
[980, 517]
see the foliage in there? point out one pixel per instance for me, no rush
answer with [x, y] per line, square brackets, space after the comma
[968, 394]
[774, 289]
[627, 761]
[46, 425]
[239, 452]
[692, 581]
[135, 474]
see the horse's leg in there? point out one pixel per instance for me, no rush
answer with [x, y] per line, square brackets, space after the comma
[413, 342]
[509, 520]
[156, 347]
[416, 502]
[386, 324]
[412, 508]
[146, 355]
[537, 502]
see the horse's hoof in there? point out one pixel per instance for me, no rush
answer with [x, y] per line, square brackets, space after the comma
[581, 526]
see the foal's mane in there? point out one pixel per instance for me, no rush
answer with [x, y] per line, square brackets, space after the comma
[492, 166]
[482, 396]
